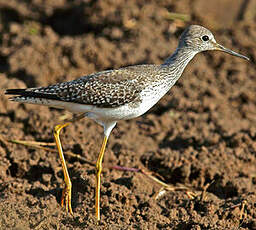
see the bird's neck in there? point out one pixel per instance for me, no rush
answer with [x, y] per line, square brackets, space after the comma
[180, 58]
[176, 63]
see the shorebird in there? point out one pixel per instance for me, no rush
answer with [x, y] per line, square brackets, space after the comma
[113, 95]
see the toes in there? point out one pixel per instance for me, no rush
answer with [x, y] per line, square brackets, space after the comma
[63, 198]
[66, 200]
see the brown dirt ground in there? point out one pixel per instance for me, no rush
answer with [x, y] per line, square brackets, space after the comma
[201, 133]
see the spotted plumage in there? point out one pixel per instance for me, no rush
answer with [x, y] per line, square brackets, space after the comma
[107, 89]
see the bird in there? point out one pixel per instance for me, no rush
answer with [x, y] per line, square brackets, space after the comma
[119, 94]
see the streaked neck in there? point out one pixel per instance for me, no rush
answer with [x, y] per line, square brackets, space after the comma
[180, 58]
[175, 64]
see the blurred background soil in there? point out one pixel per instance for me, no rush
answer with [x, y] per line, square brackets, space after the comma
[202, 134]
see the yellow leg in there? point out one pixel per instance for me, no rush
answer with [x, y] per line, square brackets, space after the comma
[66, 193]
[98, 173]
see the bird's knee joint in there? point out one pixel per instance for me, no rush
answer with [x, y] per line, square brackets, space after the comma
[56, 129]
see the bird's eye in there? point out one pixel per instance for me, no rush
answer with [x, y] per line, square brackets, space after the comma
[205, 38]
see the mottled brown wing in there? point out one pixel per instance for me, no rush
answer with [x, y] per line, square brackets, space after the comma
[105, 89]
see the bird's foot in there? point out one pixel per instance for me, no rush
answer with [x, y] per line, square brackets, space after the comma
[66, 199]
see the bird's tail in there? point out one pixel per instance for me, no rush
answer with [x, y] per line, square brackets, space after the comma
[30, 93]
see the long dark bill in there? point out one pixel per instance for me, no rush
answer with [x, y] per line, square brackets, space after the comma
[224, 49]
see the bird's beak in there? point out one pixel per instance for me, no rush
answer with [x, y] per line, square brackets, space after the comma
[222, 48]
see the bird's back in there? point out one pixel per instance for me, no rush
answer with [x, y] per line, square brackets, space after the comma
[106, 89]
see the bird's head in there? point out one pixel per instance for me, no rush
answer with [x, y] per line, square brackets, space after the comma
[197, 39]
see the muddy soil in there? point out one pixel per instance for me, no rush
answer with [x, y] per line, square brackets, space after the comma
[202, 134]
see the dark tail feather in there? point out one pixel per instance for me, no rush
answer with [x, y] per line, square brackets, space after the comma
[28, 93]
[15, 91]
